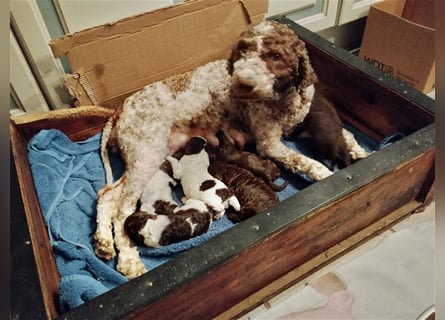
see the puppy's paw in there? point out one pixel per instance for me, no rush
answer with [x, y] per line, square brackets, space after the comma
[218, 214]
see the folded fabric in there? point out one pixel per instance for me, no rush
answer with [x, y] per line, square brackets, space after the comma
[67, 177]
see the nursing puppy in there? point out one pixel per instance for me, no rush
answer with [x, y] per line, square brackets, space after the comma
[157, 194]
[264, 168]
[175, 224]
[197, 183]
[159, 220]
[253, 194]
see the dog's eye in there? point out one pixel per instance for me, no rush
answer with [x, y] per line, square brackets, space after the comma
[275, 56]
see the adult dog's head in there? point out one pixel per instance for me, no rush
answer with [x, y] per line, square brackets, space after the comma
[269, 61]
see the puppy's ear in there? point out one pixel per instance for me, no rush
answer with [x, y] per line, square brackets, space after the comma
[195, 145]
[166, 167]
[305, 74]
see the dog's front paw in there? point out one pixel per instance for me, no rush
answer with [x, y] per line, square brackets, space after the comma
[130, 264]
[104, 248]
[358, 153]
[318, 172]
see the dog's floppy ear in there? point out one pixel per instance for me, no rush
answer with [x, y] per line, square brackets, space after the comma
[305, 74]
[195, 145]
[231, 59]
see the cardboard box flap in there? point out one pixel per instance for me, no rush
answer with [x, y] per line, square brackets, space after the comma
[256, 9]
[391, 42]
[111, 61]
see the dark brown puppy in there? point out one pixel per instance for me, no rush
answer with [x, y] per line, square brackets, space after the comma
[324, 127]
[261, 167]
[253, 194]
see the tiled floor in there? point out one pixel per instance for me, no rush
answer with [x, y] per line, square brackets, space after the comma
[390, 277]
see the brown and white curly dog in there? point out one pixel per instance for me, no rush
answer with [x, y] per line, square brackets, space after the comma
[261, 93]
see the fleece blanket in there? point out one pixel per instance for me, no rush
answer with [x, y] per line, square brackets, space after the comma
[67, 177]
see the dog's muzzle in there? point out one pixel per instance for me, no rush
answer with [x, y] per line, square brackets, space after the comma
[251, 79]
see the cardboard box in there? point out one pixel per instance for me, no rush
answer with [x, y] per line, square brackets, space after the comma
[258, 258]
[399, 40]
[111, 61]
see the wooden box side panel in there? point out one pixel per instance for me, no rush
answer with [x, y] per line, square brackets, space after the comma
[361, 101]
[46, 266]
[79, 124]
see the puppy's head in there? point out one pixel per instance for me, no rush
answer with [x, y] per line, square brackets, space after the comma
[268, 61]
[135, 223]
[195, 145]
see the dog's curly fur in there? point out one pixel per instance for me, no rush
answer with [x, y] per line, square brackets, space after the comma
[265, 88]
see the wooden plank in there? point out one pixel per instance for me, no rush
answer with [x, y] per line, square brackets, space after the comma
[77, 123]
[363, 102]
[46, 266]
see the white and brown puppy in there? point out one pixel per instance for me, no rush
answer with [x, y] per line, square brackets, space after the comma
[158, 191]
[160, 221]
[197, 183]
[175, 224]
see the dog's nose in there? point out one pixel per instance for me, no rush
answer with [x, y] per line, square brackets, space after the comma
[240, 89]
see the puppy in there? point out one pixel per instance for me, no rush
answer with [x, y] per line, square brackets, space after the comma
[173, 225]
[253, 193]
[261, 167]
[158, 193]
[197, 183]
[160, 221]
[325, 129]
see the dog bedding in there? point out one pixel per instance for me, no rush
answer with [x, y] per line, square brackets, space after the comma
[67, 176]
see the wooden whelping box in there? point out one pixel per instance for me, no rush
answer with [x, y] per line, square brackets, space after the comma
[260, 257]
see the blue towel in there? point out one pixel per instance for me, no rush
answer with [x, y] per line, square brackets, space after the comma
[67, 177]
